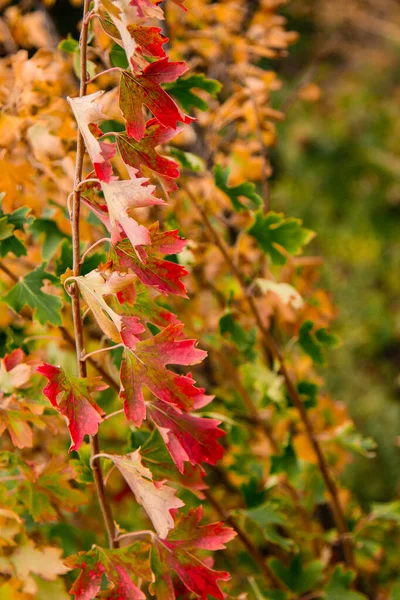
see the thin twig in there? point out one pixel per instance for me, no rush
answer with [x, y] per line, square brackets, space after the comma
[290, 385]
[253, 551]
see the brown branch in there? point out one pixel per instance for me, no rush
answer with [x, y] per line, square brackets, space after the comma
[253, 551]
[291, 387]
[76, 310]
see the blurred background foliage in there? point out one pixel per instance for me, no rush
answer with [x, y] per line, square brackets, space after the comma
[337, 167]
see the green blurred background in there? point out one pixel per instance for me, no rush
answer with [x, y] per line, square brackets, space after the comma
[337, 166]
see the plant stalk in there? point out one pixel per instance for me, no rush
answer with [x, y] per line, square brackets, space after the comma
[76, 309]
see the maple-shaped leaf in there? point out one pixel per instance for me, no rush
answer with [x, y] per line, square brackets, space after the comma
[182, 90]
[144, 303]
[50, 489]
[28, 292]
[177, 553]
[234, 193]
[149, 40]
[156, 456]
[278, 236]
[119, 566]
[9, 224]
[93, 287]
[314, 343]
[46, 562]
[121, 198]
[146, 366]
[136, 154]
[141, 89]
[157, 499]
[14, 372]
[88, 113]
[148, 9]
[188, 437]
[156, 272]
[71, 396]
[339, 586]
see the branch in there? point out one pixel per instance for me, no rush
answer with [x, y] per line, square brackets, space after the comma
[290, 385]
[76, 310]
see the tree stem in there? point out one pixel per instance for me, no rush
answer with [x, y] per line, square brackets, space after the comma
[76, 309]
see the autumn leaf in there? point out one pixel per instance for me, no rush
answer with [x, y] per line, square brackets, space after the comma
[178, 553]
[149, 40]
[121, 198]
[136, 154]
[146, 366]
[157, 499]
[88, 113]
[144, 89]
[94, 286]
[156, 456]
[118, 566]
[164, 275]
[188, 437]
[71, 396]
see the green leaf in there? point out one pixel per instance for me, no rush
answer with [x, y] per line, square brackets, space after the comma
[267, 385]
[338, 587]
[243, 340]
[234, 193]
[81, 465]
[28, 292]
[310, 391]
[52, 235]
[395, 595]
[278, 236]
[298, 578]
[182, 88]
[118, 57]
[313, 344]
[388, 511]
[6, 229]
[267, 516]
[253, 493]
[351, 439]
[187, 160]
[64, 260]
[285, 463]
[69, 45]
[9, 223]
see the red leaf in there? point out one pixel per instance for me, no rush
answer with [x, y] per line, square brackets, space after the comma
[158, 500]
[149, 40]
[87, 113]
[156, 272]
[148, 9]
[188, 437]
[118, 566]
[121, 198]
[136, 154]
[71, 397]
[145, 89]
[147, 367]
[176, 553]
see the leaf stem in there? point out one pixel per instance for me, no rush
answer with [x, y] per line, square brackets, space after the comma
[93, 246]
[76, 311]
[108, 349]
